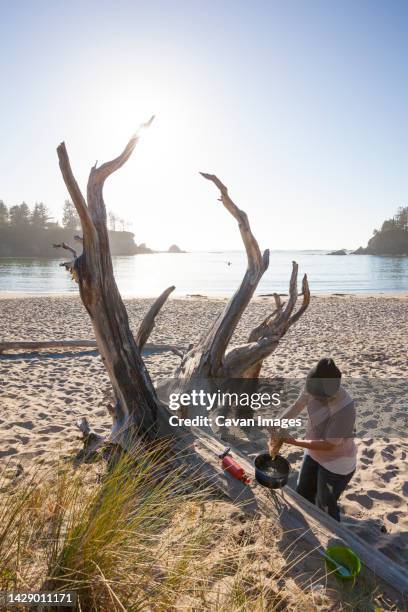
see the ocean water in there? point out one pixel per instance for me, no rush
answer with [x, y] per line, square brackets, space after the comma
[208, 273]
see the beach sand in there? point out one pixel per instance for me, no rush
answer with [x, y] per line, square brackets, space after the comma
[43, 394]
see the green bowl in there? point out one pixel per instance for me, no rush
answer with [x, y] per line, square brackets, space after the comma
[346, 557]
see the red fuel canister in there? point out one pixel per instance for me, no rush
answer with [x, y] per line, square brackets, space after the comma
[232, 467]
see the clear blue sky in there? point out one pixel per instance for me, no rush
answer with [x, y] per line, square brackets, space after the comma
[300, 107]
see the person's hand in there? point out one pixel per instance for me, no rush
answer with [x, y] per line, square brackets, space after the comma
[274, 445]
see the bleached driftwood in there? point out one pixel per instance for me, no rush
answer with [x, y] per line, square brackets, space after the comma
[45, 344]
[31, 346]
[147, 324]
[135, 411]
[137, 402]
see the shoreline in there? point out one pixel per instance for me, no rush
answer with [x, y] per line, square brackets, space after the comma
[23, 295]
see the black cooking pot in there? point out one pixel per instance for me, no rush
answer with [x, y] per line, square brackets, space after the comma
[272, 473]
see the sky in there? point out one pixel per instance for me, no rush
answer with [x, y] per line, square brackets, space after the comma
[298, 106]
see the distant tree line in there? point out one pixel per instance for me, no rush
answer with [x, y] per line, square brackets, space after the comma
[28, 232]
[22, 216]
[398, 222]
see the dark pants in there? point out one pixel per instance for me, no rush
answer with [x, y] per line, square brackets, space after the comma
[321, 487]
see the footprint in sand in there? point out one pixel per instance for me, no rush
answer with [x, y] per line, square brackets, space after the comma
[363, 500]
[389, 475]
[393, 517]
[387, 408]
[371, 423]
[384, 496]
[388, 452]
[50, 429]
[365, 461]
[368, 452]
[8, 452]
[24, 424]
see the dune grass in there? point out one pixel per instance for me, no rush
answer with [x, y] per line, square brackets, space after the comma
[62, 531]
[129, 540]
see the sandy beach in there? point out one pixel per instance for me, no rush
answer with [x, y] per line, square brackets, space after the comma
[43, 394]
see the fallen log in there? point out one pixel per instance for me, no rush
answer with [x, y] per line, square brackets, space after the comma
[64, 344]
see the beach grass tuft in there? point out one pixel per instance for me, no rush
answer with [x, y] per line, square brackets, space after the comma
[140, 537]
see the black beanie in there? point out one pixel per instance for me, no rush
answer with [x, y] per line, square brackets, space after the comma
[324, 378]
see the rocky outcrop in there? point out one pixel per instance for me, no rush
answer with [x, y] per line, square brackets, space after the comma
[360, 251]
[391, 242]
[175, 249]
[122, 243]
[339, 252]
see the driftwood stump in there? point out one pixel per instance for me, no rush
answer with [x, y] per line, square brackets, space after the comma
[136, 409]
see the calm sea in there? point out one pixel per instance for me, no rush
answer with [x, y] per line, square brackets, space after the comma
[210, 274]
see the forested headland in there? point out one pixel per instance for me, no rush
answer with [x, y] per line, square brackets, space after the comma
[391, 239]
[31, 232]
